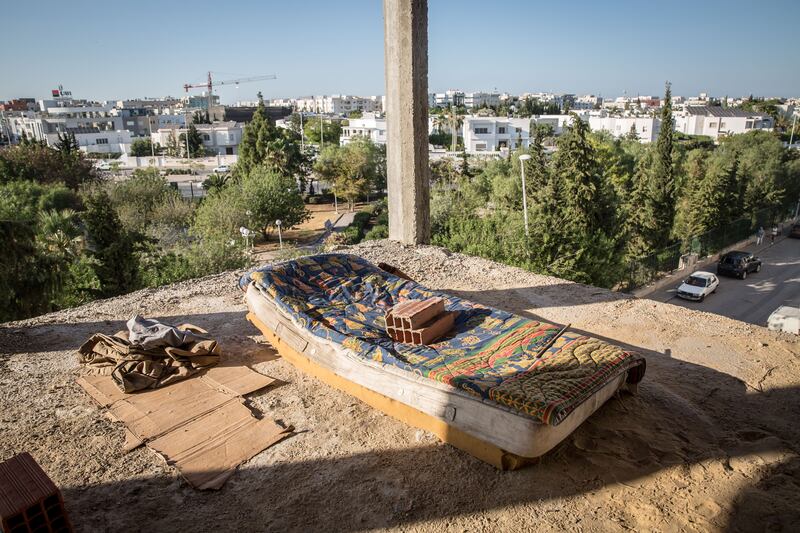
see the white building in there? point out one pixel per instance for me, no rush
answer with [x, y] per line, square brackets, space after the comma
[557, 122]
[478, 99]
[717, 122]
[219, 138]
[98, 142]
[339, 104]
[448, 98]
[587, 101]
[94, 125]
[369, 127]
[490, 134]
[646, 128]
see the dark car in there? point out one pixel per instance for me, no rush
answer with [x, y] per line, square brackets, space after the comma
[738, 264]
[795, 231]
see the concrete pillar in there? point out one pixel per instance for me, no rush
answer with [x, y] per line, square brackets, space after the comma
[406, 60]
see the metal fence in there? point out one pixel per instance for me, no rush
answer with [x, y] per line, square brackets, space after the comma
[669, 259]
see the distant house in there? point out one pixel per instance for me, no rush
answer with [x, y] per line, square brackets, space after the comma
[369, 126]
[490, 134]
[646, 128]
[716, 122]
[219, 138]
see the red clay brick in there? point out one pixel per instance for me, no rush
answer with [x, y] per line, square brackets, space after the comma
[413, 314]
[418, 321]
[29, 500]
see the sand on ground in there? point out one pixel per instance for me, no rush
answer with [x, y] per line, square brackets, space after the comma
[711, 442]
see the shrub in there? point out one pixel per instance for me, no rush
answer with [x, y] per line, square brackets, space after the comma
[136, 199]
[380, 231]
[271, 196]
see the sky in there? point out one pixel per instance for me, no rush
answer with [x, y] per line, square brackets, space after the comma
[122, 49]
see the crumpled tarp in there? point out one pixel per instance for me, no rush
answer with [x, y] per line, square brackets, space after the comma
[523, 364]
[150, 354]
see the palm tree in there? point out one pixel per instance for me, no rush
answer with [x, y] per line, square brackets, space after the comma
[62, 240]
[455, 119]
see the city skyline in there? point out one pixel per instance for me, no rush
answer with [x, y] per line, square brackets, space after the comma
[338, 49]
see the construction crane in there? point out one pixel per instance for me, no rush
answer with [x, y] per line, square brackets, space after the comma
[210, 84]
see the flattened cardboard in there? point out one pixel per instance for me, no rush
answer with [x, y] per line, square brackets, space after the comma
[236, 380]
[208, 449]
[200, 424]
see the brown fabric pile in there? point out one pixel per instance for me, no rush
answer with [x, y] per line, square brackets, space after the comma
[150, 354]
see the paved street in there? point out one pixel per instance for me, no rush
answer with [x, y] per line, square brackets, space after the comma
[753, 299]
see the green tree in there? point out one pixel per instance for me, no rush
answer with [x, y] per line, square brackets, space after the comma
[271, 196]
[34, 161]
[353, 169]
[585, 232]
[277, 149]
[172, 149]
[109, 245]
[323, 132]
[201, 117]
[653, 198]
[67, 144]
[143, 148]
[194, 144]
[136, 199]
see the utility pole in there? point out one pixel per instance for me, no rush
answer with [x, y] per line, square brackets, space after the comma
[522, 160]
[791, 137]
[210, 85]
[186, 135]
[152, 146]
[302, 134]
[321, 135]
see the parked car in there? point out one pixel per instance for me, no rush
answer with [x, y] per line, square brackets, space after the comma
[738, 264]
[222, 169]
[103, 165]
[698, 286]
[786, 319]
[795, 231]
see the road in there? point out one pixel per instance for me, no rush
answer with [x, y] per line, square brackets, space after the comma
[753, 299]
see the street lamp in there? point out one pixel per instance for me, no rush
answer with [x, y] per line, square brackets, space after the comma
[280, 238]
[522, 160]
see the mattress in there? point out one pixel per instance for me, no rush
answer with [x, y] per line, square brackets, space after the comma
[485, 378]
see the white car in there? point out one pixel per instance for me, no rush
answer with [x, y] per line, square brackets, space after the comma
[103, 165]
[785, 318]
[698, 286]
[222, 169]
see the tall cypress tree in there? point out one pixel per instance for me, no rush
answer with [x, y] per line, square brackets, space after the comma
[652, 202]
[584, 219]
[662, 183]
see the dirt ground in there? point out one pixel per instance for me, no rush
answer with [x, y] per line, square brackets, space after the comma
[308, 231]
[710, 443]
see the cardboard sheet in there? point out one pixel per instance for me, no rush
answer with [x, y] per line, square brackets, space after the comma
[200, 425]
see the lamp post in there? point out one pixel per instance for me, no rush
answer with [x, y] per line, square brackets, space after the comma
[280, 238]
[522, 160]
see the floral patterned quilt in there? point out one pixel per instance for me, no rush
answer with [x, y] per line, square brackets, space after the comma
[489, 353]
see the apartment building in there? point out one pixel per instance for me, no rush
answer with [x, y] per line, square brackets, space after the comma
[447, 98]
[478, 99]
[338, 104]
[587, 101]
[717, 122]
[95, 126]
[219, 138]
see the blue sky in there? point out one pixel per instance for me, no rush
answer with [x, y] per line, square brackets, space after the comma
[126, 49]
